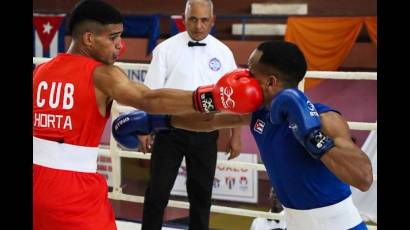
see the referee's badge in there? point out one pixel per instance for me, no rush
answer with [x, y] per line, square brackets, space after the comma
[214, 64]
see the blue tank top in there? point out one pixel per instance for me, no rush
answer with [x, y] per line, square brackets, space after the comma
[300, 181]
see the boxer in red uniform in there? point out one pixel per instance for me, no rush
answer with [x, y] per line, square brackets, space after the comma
[72, 97]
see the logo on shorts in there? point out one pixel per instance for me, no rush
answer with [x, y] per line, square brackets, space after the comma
[214, 64]
[258, 127]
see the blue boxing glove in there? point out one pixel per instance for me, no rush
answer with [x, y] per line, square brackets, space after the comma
[127, 126]
[291, 105]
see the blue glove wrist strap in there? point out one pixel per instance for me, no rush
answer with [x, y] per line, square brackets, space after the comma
[317, 144]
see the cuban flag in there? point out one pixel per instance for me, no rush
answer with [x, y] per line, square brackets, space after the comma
[259, 126]
[177, 24]
[48, 34]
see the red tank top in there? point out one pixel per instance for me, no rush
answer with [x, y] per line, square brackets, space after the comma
[64, 103]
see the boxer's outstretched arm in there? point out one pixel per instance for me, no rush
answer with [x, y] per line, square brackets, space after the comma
[112, 82]
[346, 160]
[209, 122]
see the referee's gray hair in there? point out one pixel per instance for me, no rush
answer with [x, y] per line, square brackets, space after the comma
[209, 2]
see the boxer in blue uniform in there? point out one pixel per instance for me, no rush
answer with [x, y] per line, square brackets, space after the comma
[306, 148]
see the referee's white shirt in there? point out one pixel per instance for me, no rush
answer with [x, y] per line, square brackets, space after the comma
[175, 65]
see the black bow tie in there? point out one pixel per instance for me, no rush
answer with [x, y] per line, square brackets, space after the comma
[190, 44]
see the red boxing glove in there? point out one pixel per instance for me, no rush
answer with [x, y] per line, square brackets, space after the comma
[236, 92]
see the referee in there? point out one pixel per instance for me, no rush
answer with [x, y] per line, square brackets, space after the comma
[186, 61]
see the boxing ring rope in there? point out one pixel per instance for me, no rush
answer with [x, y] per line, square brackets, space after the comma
[115, 152]
[352, 124]
[309, 74]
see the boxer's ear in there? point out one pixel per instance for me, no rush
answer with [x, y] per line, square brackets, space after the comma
[88, 38]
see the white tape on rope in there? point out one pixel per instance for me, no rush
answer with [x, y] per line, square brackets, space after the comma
[342, 75]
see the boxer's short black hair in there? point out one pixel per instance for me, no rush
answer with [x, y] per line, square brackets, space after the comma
[94, 11]
[285, 59]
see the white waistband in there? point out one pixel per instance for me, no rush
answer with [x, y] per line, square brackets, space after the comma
[341, 216]
[64, 156]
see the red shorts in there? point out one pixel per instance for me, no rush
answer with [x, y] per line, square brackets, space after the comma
[66, 200]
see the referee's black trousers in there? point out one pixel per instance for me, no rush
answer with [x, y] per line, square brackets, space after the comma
[200, 151]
